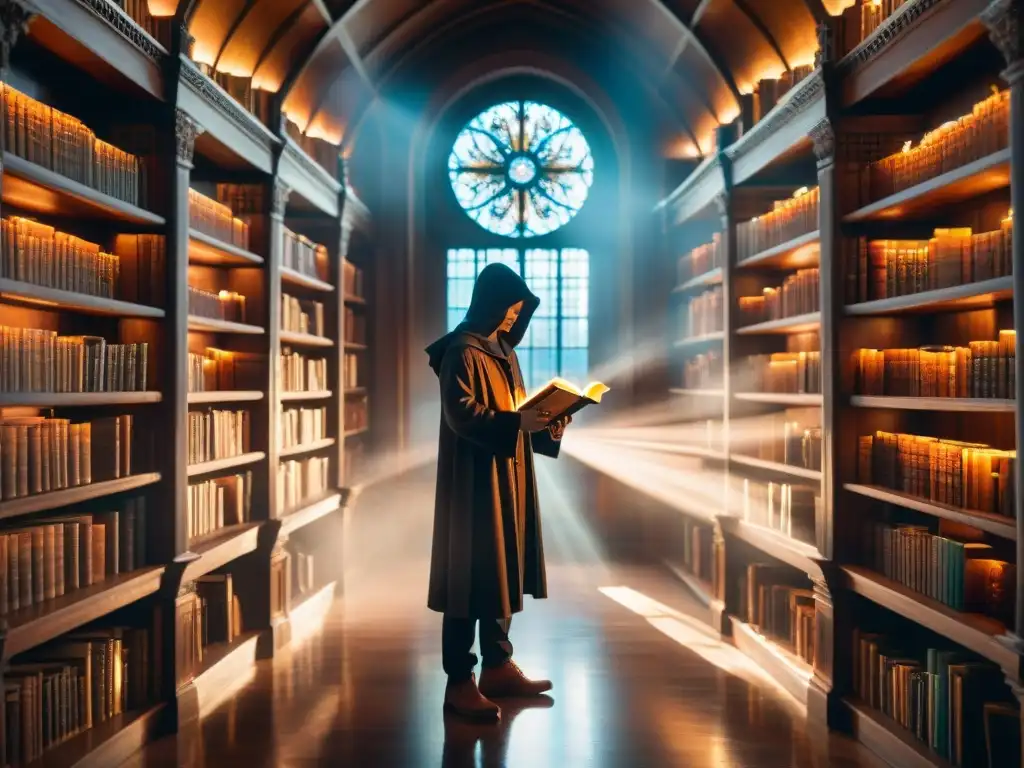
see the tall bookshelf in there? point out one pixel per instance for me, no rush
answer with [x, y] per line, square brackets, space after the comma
[865, 248]
[148, 252]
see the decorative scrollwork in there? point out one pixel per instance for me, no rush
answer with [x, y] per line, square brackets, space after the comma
[124, 26]
[15, 17]
[205, 88]
[824, 138]
[891, 30]
[1002, 19]
[185, 131]
[805, 94]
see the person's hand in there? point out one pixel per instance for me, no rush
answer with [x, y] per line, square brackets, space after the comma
[533, 421]
[557, 428]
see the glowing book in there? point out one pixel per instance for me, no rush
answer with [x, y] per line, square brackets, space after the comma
[560, 398]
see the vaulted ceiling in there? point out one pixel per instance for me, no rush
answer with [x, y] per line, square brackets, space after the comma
[329, 59]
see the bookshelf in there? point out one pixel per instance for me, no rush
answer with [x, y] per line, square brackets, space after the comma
[884, 311]
[141, 385]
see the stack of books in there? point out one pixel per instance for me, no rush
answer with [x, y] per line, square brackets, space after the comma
[787, 220]
[702, 259]
[217, 434]
[784, 372]
[216, 220]
[220, 609]
[300, 480]
[952, 145]
[955, 703]
[788, 509]
[351, 371]
[300, 426]
[218, 503]
[46, 558]
[302, 315]
[40, 455]
[36, 253]
[881, 269]
[778, 602]
[61, 143]
[33, 360]
[216, 305]
[303, 255]
[983, 369]
[298, 373]
[215, 370]
[705, 314]
[971, 476]
[799, 294]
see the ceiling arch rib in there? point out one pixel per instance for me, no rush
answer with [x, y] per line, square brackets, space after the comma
[689, 34]
[766, 33]
[241, 17]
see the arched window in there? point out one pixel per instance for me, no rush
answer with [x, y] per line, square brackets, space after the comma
[521, 169]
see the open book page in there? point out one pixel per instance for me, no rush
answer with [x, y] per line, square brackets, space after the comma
[560, 397]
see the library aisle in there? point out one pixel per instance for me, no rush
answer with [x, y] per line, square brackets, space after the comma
[637, 683]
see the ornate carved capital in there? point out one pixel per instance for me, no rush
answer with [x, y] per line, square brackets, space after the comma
[185, 131]
[824, 139]
[1002, 17]
[15, 16]
[280, 199]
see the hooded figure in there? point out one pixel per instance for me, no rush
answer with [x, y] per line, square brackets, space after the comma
[487, 548]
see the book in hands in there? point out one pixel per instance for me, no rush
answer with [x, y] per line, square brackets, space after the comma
[560, 398]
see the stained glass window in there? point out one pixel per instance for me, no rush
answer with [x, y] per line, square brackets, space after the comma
[521, 169]
[558, 337]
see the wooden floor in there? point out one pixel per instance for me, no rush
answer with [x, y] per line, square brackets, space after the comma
[637, 681]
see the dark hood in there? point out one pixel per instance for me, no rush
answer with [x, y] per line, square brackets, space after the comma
[497, 288]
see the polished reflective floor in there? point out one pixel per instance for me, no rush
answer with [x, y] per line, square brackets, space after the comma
[638, 682]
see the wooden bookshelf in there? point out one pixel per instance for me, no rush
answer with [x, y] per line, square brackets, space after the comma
[711, 277]
[696, 341]
[206, 143]
[867, 190]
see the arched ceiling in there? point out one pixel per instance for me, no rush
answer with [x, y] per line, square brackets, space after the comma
[329, 59]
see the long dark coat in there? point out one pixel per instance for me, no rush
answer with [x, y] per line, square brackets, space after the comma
[487, 549]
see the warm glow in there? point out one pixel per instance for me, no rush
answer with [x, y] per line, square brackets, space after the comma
[729, 115]
[162, 8]
[800, 192]
[319, 132]
[906, 145]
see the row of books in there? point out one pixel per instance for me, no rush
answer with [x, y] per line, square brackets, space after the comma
[778, 602]
[303, 255]
[788, 219]
[881, 269]
[34, 360]
[350, 371]
[46, 558]
[965, 575]
[76, 683]
[220, 370]
[352, 279]
[702, 259]
[302, 315]
[300, 426]
[216, 220]
[217, 305]
[298, 373]
[255, 101]
[799, 294]
[698, 550]
[952, 145]
[220, 609]
[40, 455]
[955, 703]
[984, 369]
[39, 254]
[862, 18]
[323, 152]
[217, 434]
[356, 413]
[781, 438]
[789, 509]
[63, 144]
[703, 371]
[300, 480]
[972, 476]
[704, 314]
[768, 91]
[355, 326]
[784, 372]
[217, 503]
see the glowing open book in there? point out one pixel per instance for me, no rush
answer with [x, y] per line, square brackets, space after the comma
[561, 398]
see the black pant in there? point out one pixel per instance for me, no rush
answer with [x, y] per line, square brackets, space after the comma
[457, 637]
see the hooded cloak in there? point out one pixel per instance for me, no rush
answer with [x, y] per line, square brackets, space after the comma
[487, 547]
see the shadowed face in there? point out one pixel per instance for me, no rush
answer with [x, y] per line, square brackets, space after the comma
[511, 315]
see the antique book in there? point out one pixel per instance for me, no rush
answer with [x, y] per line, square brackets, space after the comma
[560, 398]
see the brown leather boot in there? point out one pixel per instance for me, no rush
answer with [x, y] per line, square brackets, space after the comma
[466, 700]
[508, 681]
